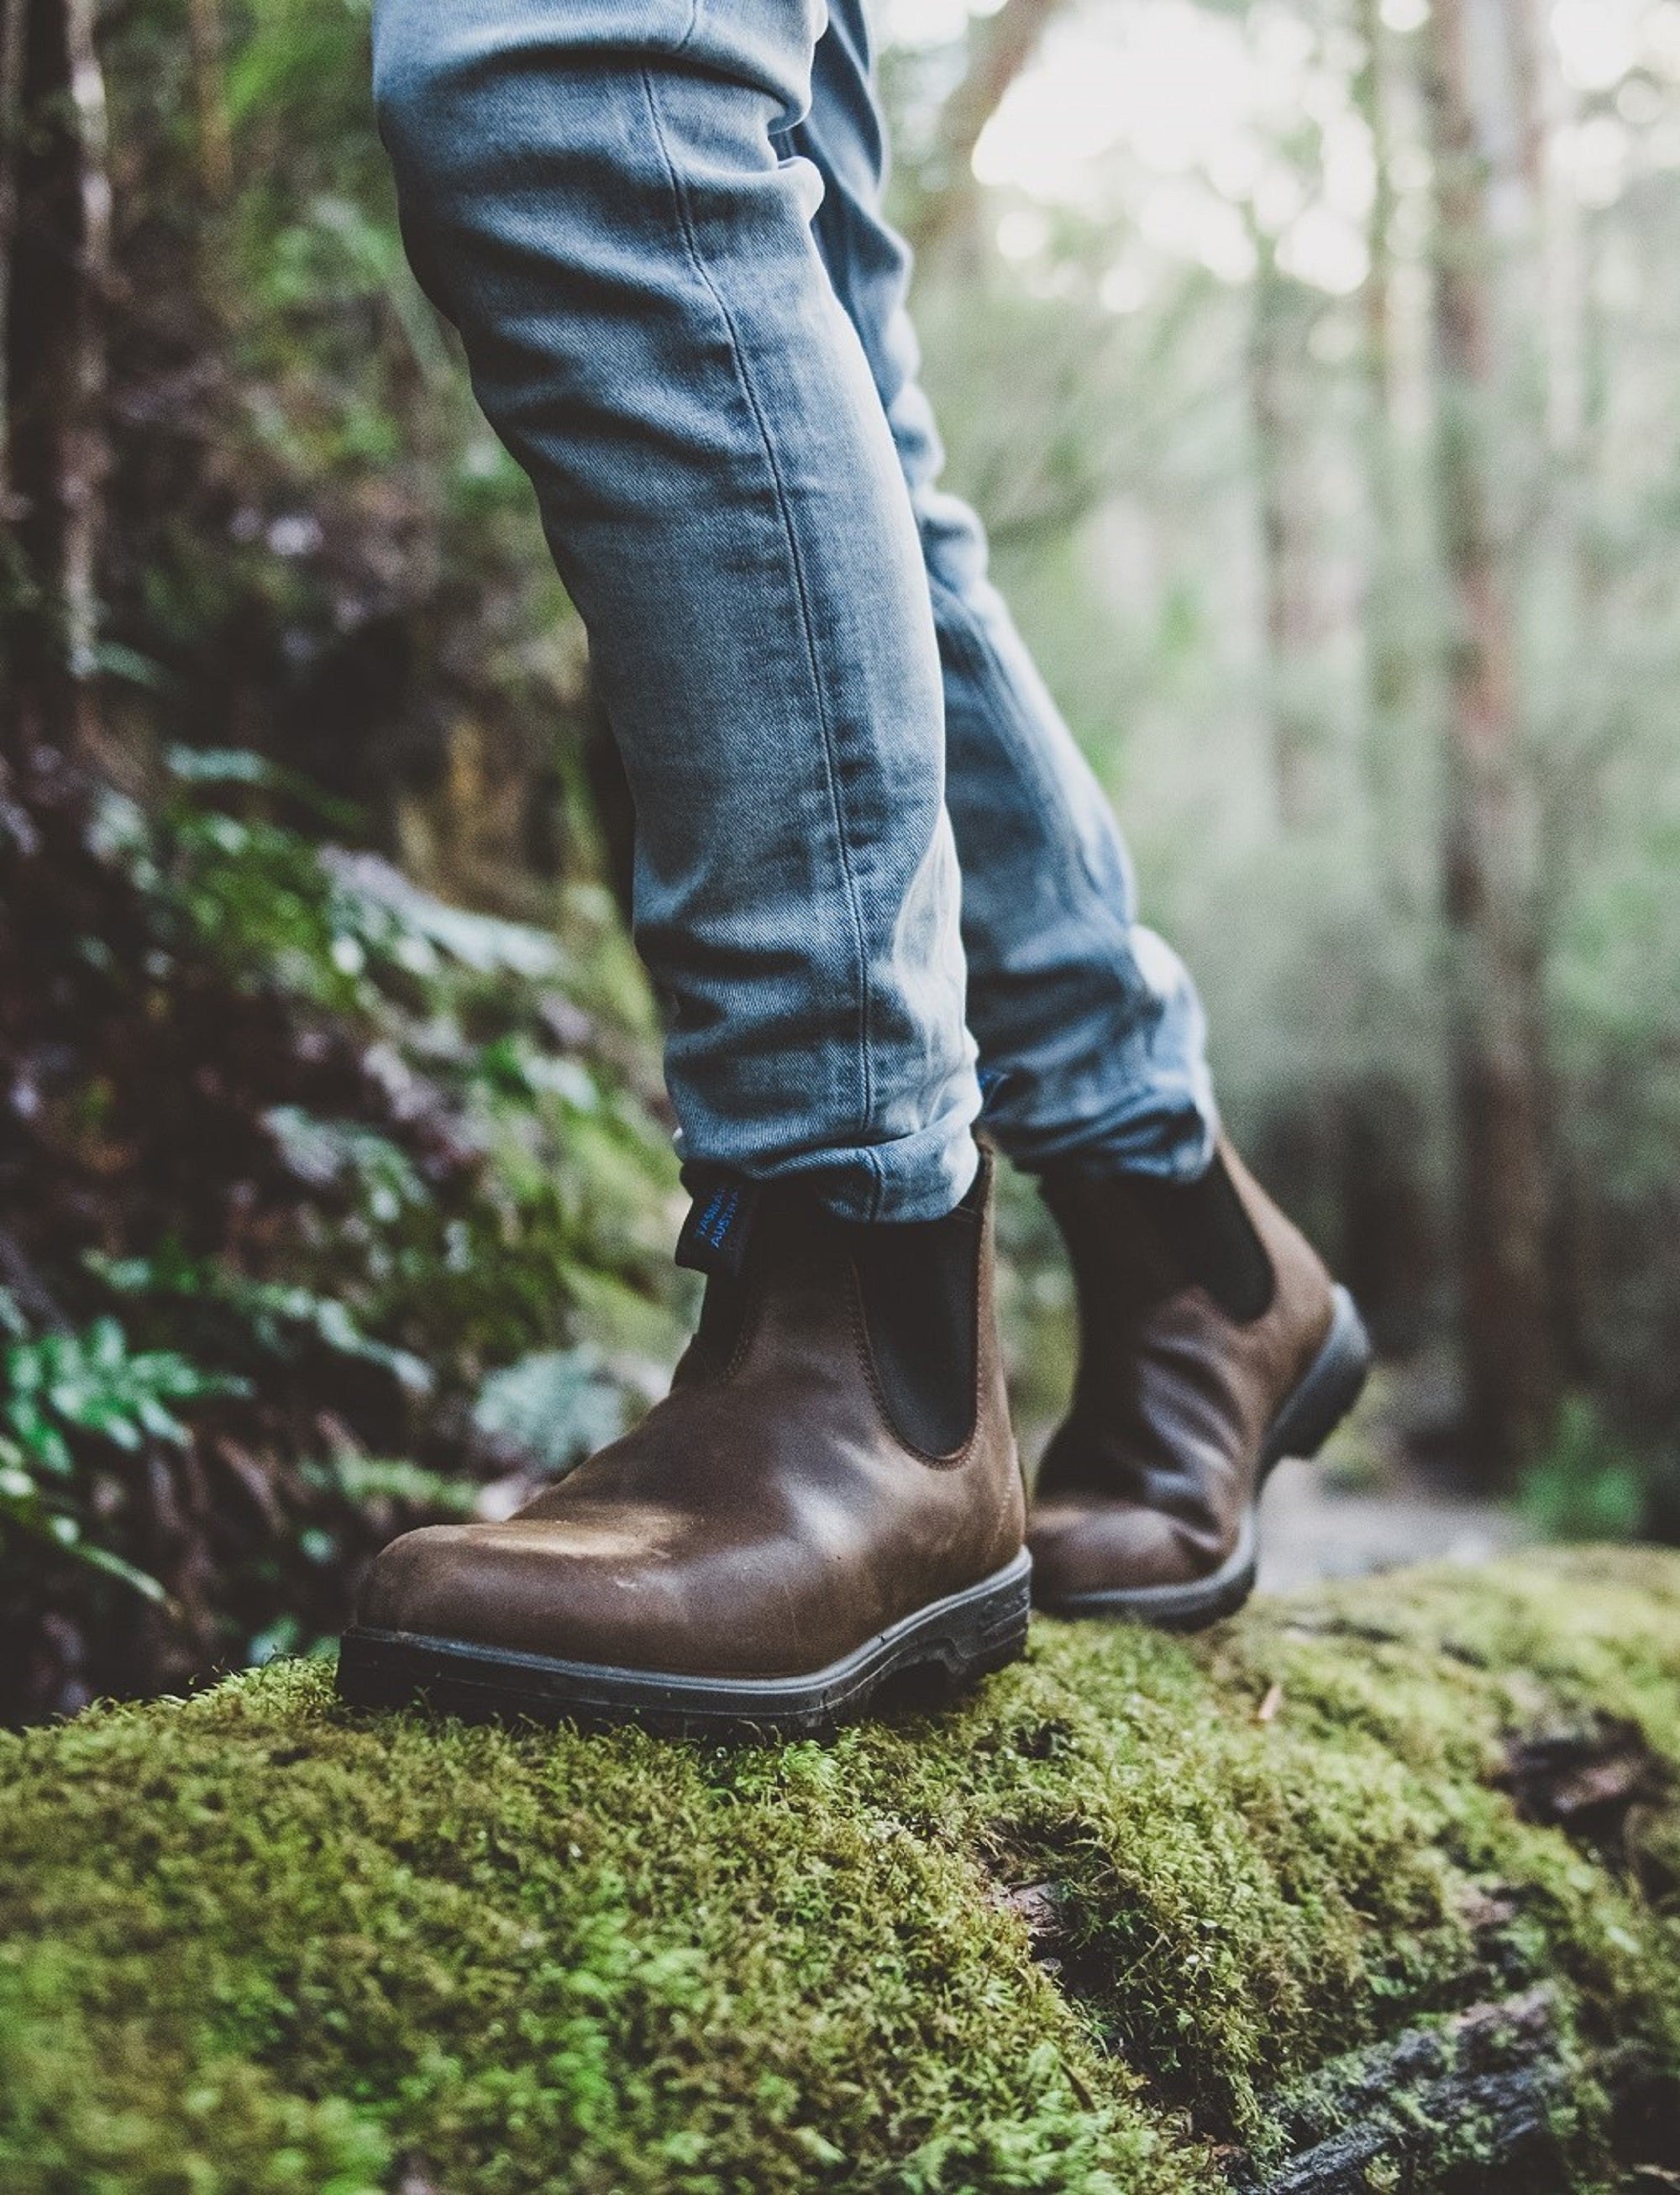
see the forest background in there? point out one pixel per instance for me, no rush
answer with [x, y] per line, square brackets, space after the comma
[1314, 365]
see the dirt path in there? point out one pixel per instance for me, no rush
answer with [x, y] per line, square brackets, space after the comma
[1311, 1528]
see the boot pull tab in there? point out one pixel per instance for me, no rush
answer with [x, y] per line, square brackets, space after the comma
[718, 1231]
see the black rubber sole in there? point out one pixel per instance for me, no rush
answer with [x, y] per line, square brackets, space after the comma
[1329, 1389]
[940, 1650]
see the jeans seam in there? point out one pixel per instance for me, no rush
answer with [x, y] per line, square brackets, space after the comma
[683, 42]
[679, 201]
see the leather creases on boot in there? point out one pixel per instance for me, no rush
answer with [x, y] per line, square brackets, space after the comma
[1212, 1342]
[828, 1497]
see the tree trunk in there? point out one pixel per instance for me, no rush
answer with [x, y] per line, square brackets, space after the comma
[54, 344]
[1572, 740]
[1392, 670]
[12, 56]
[207, 40]
[1371, 91]
[1216, 1907]
[1490, 915]
[1277, 342]
[999, 50]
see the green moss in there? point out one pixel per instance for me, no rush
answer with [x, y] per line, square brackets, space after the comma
[250, 1942]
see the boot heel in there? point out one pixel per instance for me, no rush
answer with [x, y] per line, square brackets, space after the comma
[1332, 1385]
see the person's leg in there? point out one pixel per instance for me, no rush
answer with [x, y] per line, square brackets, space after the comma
[1211, 1338]
[829, 1494]
[1090, 1033]
[590, 191]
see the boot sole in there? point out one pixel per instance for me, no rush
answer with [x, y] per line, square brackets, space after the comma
[1328, 1390]
[941, 1648]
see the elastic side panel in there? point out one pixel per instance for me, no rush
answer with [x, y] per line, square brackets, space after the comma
[921, 1285]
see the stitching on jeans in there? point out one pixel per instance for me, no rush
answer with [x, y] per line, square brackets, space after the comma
[865, 1036]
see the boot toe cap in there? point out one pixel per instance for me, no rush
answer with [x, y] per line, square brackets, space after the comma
[423, 1582]
[580, 1589]
[620, 1590]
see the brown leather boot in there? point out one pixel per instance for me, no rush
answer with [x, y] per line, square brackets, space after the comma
[1212, 1344]
[829, 1497]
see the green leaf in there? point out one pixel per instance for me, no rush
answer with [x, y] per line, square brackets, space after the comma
[102, 1558]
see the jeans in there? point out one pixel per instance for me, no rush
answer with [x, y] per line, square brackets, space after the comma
[658, 227]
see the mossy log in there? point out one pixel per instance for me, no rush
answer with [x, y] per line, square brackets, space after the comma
[1378, 1889]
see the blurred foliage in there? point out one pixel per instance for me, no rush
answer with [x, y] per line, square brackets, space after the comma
[1589, 1484]
[328, 1209]
[316, 545]
[55, 1386]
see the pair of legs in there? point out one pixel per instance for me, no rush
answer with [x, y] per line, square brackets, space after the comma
[658, 226]
[863, 829]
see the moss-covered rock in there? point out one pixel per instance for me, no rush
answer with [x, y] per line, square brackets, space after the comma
[1375, 1890]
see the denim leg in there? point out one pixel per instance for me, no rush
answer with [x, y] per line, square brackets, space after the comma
[1090, 1033]
[592, 191]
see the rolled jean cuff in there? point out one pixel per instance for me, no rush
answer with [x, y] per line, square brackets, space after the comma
[923, 1175]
